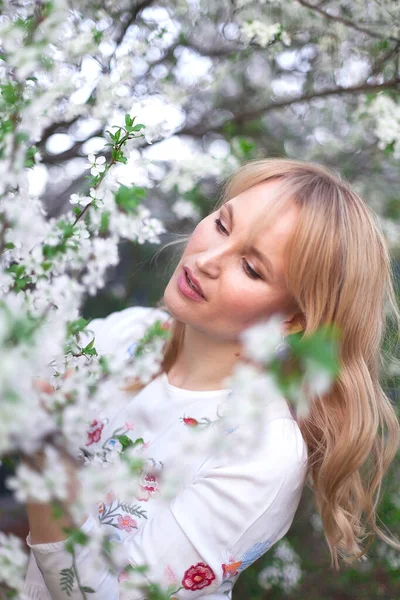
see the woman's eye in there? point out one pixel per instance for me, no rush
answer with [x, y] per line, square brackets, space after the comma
[247, 267]
[251, 271]
[220, 226]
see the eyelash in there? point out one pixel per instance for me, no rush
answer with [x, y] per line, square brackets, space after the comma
[248, 269]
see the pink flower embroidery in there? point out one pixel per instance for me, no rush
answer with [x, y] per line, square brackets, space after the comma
[110, 497]
[127, 523]
[143, 446]
[123, 576]
[129, 426]
[169, 575]
[94, 432]
[149, 486]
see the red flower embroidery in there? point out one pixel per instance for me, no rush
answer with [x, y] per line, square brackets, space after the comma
[198, 577]
[127, 523]
[94, 433]
[149, 486]
[190, 421]
[101, 508]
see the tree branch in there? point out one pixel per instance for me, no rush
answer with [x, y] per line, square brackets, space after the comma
[197, 131]
[346, 22]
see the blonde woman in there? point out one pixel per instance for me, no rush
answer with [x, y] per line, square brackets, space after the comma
[286, 237]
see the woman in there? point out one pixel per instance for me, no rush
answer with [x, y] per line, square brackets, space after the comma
[289, 238]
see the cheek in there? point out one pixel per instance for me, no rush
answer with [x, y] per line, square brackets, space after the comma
[247, 304]
[200, 238]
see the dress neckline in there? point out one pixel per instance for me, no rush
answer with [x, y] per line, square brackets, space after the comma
[173, 389]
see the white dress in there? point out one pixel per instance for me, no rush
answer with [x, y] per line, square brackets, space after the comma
[222, 515]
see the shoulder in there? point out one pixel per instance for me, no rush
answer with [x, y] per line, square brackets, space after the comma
[284, 435]
[276, 456]
[122, 327]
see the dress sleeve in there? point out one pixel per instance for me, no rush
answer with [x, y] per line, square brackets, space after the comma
[228, 516]
[114, 334]
[120, 330]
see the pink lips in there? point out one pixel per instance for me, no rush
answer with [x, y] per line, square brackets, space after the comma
[185, 288]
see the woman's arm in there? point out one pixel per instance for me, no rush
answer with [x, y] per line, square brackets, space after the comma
[43, 525]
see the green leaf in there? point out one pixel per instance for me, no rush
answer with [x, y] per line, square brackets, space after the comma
[75, 536]
[104, 223]
[389, 149]
[128, 198]
[9, 92]
[56, 510]
[75, 327]
[138, 127]
[97, 35]
[88, 590]
[127, 442]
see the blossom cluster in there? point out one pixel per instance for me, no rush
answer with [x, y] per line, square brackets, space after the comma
[285, 570]
[49, 264]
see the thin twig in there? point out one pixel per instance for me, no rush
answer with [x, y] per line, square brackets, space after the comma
[346, 22]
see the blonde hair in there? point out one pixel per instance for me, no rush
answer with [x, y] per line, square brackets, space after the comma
[339, 266]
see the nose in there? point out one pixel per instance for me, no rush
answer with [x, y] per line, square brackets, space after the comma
[209, 261]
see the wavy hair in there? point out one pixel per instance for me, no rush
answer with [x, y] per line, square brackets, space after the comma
[338, 271]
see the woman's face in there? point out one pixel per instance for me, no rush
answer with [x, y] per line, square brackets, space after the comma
[238, 287]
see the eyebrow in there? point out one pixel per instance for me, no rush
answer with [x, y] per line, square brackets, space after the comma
[260, 255]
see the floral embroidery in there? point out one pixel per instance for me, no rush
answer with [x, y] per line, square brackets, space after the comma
[131, 349]
[127, 523]
[113, 445]
[123, 576]
[253, 554]
[198, 577]
[94, 432]
[192, 422]
[129, 426]
[232, 429]
[116, 516]
[149, 486]
[234, 567]
[231, 569]
[169, 575]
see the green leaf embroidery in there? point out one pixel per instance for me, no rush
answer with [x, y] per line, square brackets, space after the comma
[67, 578]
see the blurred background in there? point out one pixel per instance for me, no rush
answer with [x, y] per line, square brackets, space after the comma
[217, 84]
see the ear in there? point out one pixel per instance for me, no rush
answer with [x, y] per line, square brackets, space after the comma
[294, 324]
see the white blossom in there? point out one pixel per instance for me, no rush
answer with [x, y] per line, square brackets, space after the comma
[81, 200]
[186, 210]
[285, 570]
[13, 561]
[260, 340]
[260, 32]
[96, 164]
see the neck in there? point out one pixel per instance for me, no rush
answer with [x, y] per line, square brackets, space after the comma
[203, 362]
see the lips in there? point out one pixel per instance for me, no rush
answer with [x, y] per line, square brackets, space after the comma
[194, 281]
